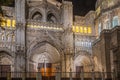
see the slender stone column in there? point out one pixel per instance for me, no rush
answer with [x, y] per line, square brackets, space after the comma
[44, 12]
[20, 60]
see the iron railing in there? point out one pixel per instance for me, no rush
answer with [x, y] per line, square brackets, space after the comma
[58, 76]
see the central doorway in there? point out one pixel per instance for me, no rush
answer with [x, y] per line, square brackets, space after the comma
[44, 58]
[47, 71]
[46, 68]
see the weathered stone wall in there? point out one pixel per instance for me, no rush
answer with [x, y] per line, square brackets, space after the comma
[101, 50]
[114, 46]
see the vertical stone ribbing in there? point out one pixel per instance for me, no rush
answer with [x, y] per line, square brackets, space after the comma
[20, 35]
[67, 17]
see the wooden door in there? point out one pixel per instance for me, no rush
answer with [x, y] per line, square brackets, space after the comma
[5, 70]
[46, 71]
[79, 69]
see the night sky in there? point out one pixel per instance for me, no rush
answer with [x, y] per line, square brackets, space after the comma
[82, 7]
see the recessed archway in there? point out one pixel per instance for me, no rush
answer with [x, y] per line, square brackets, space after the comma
[37, 16]
[6, 62]
[44, 54]
[84, 62]
[51, 18]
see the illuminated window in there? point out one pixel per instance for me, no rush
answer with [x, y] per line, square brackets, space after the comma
[107, 24]
[115, 21]
[3, 23]
[99, 28]
[89, 30]
[77, 28]
[8, 23]
[81, 29]
[13, 23]
[85, 29]
[73, 28]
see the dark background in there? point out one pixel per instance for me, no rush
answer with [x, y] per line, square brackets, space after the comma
[82, 7]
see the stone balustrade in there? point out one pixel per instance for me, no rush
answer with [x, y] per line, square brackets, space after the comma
[36, 24]
[115, 28]
[8, 23]
[106, 31]
[8, 45]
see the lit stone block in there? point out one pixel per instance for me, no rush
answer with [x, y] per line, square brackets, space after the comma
[8, 23]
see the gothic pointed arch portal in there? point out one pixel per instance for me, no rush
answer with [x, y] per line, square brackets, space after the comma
[6, 63]
[37, 16]
[44, 57]
[83, 62]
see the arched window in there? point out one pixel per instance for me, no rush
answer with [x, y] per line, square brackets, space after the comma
[51, 18]
[37, 16]
[3, 37]
[107, 24]
[99, 28]
[9, 37]
[13, 38]
[115, 21]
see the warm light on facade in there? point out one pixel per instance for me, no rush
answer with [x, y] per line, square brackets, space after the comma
[98, 10]
[8, 23]
[82, 29]
[77, 28]
[11, 23]
[89, 30]
[3, 23]
[85, 29]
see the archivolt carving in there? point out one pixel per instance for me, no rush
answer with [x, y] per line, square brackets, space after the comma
[37, 16]
[40, 41]
[6, 54]
[54, 14]
[7, 51]
[47, 49]
[34, 10]
[51, 18]
[51, 9]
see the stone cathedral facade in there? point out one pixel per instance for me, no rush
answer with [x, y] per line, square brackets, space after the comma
[43, 33]
[40, 32]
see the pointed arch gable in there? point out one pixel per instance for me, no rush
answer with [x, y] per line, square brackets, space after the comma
[7, 51]
[45, 48]
[54, 14]
[42, 41]
[34, 10]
